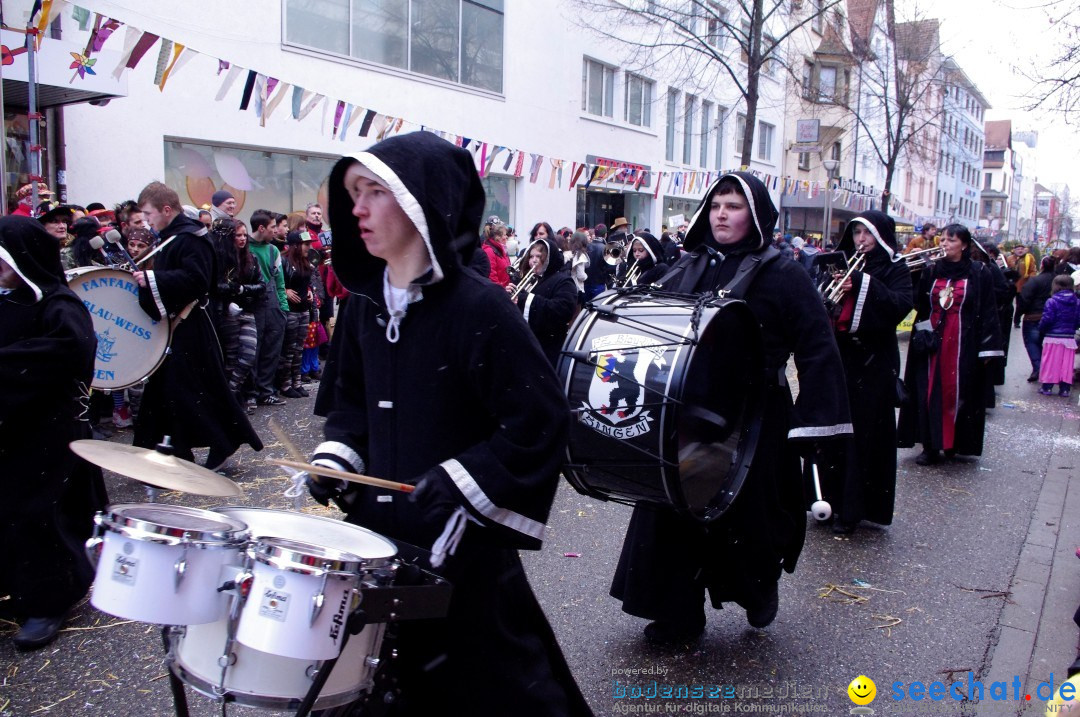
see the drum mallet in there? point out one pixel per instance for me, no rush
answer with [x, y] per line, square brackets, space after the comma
[821, 510]
[113, 237]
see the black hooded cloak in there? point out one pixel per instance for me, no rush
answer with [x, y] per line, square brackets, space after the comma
[949, 387]
[456, 392]
[551, 304]
[188, 397]
[649, 269]
[47, 346]
[861, 483]
[668, 562]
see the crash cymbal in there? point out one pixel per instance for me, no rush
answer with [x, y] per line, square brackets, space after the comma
[157, 469]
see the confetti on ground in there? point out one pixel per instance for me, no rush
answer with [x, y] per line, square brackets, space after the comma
[98, 627]
[571, 555]
[46, 708]
[846, 597]
[889, 622]
[858, 582]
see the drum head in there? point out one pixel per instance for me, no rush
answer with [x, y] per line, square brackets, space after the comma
[666, 390]
[325, 532]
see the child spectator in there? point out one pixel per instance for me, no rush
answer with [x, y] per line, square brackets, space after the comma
[1060, 319]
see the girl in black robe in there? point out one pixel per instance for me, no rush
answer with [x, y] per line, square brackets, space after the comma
[550, 304]
[668, 561]
[645, 264]
[47, 346]
[955, 336]
[861, 484]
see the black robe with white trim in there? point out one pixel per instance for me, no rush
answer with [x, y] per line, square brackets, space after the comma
[456, 392]
[188, 397]
[860, 483]
[551, 304]
[667, 562]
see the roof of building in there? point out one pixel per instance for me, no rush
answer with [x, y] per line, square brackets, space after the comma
[956, 74]
[918, 40]
[832, 43]
[861, 14]
[998, 134]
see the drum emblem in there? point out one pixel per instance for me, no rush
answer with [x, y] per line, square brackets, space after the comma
[105, 343]
[617, 389]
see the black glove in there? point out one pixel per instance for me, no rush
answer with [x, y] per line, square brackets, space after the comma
[323, 490]
[435, 499]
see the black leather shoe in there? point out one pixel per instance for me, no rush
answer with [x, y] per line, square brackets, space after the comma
[38, 632]
[763, 615]
[674, 632]
[302, 391]
[928, 458]
[843, 528]
[1033, 377]
[291, 393]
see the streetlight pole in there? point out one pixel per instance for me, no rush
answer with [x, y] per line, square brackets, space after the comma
[830, 165]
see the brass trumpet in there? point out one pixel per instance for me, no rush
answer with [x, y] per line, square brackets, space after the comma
[527, 283]
[834, 291]
[630, 278]
[917, 260]
[613, 253]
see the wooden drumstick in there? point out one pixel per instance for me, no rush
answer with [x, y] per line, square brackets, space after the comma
[351, 477]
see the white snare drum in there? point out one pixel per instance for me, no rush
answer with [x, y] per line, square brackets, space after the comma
[130, 345]
[163, 563]
[258, 679]
[301, 595]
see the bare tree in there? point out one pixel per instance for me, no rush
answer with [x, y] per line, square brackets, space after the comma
[905, 80]
[707, 40]
[1056, 84]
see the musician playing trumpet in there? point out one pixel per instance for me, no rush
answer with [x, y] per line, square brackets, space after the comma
[860, 481]
[646, 264]
[546, 296]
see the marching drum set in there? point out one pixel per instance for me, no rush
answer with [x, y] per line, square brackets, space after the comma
[259, 607]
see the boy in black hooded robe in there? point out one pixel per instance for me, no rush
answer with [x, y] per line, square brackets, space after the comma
[47, 346]
[435, 380]
[667, 561]
[861, 485]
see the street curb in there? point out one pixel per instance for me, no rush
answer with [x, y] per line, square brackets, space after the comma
[1036, 637]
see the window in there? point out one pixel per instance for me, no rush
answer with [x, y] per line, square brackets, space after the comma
[987, 178]
[639, 92]
[804, 160]
[744, 41]
[721, 112]
[715, 18]
[835, 153]
[807, 79]
[740, 130]
[688, 129]
[818, 23]
[770, 66]
[597, 88]
[672, 110]
[827, 84]
[706, 130]
[765, 136]
[455, 40]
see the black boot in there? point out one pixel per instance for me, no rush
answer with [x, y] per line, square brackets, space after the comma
[928, 457]
[38, 632]
[762, 615]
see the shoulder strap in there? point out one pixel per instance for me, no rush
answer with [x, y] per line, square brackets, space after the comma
[748, 269]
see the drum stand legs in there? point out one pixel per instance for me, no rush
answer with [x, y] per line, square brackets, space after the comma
[175, 685]
[355, 624]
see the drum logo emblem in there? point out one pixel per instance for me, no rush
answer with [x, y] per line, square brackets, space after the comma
[617, 389]
[125, 569]
[105, 343]
[274, 605]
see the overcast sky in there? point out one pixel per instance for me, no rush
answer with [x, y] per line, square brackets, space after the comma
[990, 39]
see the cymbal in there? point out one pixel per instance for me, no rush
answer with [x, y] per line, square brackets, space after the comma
[157, 469]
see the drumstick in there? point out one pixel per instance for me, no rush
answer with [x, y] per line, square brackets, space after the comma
[279, 433]
[351, 477]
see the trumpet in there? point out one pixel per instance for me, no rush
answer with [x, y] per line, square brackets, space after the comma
[834, 291]
[630, 278]
[918, 260]
[527, 283]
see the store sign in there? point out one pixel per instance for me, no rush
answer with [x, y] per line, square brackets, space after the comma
[807, 131]
[54, 66]
[628, 173]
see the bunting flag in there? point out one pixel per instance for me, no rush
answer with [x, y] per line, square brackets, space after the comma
[556, 166]
[659, 179]
[175, 64]
[509, 160]
[337, 117]
[164, 54]
[141, 46]
[48, 14]
[101, 32]
[345, 116]
[82, 16]
[249, 87]
[227, 83]
[312, 103]
[537, 165]
[483, 159]
[273, 104]
[365, 126]
[298, 95]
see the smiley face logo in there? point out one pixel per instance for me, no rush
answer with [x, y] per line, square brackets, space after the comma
[862, 690]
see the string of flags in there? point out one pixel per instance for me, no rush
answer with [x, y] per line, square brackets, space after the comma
[264, 95]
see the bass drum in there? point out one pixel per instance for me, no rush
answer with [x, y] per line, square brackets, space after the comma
[667, 392]
[130, 345]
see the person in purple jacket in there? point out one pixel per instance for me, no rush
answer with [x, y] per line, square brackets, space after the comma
[1060, 319]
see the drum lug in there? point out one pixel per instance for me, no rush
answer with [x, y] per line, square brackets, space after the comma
[94, 546]
[227, 660]
[180, 568]
[372, 662]
[319, 598]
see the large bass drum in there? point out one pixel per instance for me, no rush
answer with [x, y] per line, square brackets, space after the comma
[667, 393]
[130, 345]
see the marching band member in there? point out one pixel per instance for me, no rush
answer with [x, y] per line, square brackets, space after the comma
[955, 336]
[668, 561]
[47, 347]
[646, 261]
[550, 304]
[188, 397]
[862, 484]
[435, 380]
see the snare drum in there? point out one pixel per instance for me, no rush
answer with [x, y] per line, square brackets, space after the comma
[667, 393]
[163, 563]
[258, 679]
[130, 345]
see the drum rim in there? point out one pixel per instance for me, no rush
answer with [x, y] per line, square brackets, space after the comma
[113, 519]
[371, 562]
[294, 556]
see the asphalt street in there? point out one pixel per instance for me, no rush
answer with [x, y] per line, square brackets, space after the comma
[975, 575]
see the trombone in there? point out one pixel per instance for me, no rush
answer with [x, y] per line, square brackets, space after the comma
[613, 253]
[527, 283]
[917, 260]
[834, 291]
[630, 278]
